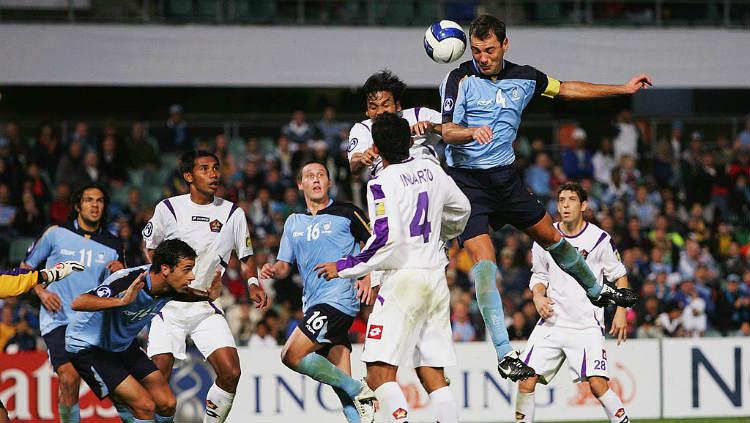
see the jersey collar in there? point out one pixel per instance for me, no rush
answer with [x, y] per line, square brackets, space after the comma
[585, 226]
[330, 201]
[479, 73]
[84, 232]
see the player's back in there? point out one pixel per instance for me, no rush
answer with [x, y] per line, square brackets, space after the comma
[410, 201]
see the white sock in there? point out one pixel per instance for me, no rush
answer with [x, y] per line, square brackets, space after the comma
[613, 407]
[444, 405]
[524, 407]
[218, 404]
[393, 402]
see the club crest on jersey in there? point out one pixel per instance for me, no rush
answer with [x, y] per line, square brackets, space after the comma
[448, 104]
[375, 332]
[400, 414]
[583, 253]
[103, 291]
[352, 143]
[514, 94]
[620, 413]
[215, 225]
[248, 242]
[380, 209]
[148, 230]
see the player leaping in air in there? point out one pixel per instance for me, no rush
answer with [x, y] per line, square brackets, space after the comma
[319, 347]
[483, 100]
[571, 327]
[415, 208]
[214, 227]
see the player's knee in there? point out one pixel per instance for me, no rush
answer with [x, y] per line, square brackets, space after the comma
[527, 386]
[143, 408]
[288, 359]
[167, 406]
[229, 378]
[598, 385]
[69, 381]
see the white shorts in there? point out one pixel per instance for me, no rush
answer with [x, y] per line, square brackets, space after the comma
[411, 320]
[548, 347]
[202, 321]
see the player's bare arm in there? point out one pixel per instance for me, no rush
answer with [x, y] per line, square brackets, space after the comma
[90, 302]
[544, 305]
[426, 127]
[619, 327]
[327, 270]
[577, 90]
[278, 270]
[192, 295]
[360, 161]
[255, 291]
[457, 134]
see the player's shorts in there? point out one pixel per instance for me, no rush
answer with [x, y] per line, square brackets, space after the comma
[498, 197]
[326, 325]
[104, 370]
[410, 323]
[55, 340]
[202, 321]
[548, 347]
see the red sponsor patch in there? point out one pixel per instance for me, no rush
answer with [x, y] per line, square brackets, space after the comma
[620, 413]
[375, 332]
[400, 414]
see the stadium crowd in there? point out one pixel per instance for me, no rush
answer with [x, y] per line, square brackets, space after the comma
[678, 209]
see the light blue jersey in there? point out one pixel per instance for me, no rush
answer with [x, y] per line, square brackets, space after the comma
[472, 100]
[332, 233]
[114, 329]
[69, 242]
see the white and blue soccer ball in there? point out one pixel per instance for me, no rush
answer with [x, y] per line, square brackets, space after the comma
[445, 41]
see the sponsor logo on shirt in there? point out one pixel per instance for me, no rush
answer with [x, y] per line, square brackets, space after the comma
[295, 234]
[484, 103]
[380, 209]
[200, 219]
[215, 225]
[248, 242]
[100, 257]
[400, 414]
[375, 332]
[66, 252]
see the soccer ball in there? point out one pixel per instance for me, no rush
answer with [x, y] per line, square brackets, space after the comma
[445, 41]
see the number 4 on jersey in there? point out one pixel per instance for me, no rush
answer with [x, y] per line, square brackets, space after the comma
[417, 227]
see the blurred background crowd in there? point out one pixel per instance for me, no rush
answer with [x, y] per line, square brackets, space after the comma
[677, 206]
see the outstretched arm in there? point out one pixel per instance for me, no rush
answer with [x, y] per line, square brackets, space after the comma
[577, 90]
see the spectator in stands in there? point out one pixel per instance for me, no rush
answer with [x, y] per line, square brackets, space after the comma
[740, 197]
[283, 155]
[112, 164]
[519, 328]
[538, 177]
[330, 130]
[626, 141]
[743, 138]
[694, 319]
[670, 321]
[60, 206]
[298, 130]
[729, 303]
[7, 328]
[48, 150]
[7, 215]
[647, 319]
[19, 147]
[603, 162]
[643, 208]
[463, 329]
[71, 170]
[81, 134]
[37, 183]
[616, 190]
[693, 256]
[23, 340]
[577, 161]
[141, 150]
[29, 221]
[176, 133]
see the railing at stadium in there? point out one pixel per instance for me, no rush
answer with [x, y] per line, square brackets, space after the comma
[722, 13]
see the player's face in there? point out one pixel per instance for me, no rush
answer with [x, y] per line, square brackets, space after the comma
[381, 102]
[92, 206]
[205, 175]
[315, 182]
[182, 274]
[488, 53]
[570, 207]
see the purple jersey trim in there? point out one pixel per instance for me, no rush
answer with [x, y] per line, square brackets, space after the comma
[368, 128]
[171, 209]
[216, 309]
[541, 321]
[234, 207]
[416, 112]
[599, 324]
[601, 238]
[380, 299]
[381, 237]
[576, 235]
[528, 356]
[583, 366]
[377, 191]
[15, 271]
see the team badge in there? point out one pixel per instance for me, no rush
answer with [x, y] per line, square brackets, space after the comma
[620, 413]
[514, 94]
[583, 253]
[400, 414]
[215, 225]
[380, 209]
[448, 104]
[520, 416]
[103, 291]
[148, 230]
[375, 332]
[352, 143]
[604, 354]
[248, 242]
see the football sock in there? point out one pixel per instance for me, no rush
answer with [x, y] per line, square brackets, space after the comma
[491, 306]
[125, 415]
[350, 411]
[143, 420]
[613, 407]
[70, 414]
[164, 419]
[444, 405]
[524, 407]
[218, 404]
[566, 256]
[393, 402]
[322, 370]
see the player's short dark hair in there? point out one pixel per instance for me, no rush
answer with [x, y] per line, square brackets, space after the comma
[384, 80]
[575, 187]
[170, 252]
[188, 158]
[392, 136]
[484, 25]
[75, 199]
[301, 168]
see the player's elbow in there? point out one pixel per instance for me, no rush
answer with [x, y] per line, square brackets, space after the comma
[79, 304]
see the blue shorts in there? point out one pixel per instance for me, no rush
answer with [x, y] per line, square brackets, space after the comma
[104, 370]
[55, 341]
[498, 197]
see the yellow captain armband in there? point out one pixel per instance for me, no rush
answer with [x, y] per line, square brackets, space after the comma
[553, 88]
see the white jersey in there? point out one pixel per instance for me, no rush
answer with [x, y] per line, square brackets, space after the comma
[360, 137]
[414, 207]
[213, 230]
[572, 308]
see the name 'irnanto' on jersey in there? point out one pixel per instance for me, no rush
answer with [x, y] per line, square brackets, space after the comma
[70, 242]
[472, 100]
[308, 240]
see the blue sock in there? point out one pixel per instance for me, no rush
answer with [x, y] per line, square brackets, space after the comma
[324, 371]
[69, 414]
[350, 411]
[566, 256]
[125, 415]
[491, 306]
[164, 419]
[143, 420]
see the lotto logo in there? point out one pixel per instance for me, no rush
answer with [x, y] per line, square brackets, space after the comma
[620, 413]
[520, 416]
[375, 332]
[400, 414]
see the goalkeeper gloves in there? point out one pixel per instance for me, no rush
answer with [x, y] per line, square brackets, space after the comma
[61, 270]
